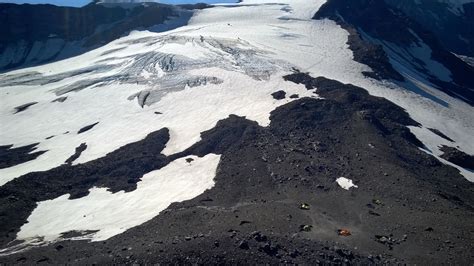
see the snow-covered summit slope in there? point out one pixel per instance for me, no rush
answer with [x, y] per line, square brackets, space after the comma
[227, 61]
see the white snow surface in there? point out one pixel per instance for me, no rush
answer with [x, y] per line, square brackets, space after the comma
[228, 60]
[345, 183]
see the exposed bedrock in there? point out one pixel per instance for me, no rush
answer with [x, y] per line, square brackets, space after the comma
[23, 107]
[77, 153]
[60, 99]
[279, 95]
[87, 128]
[458, 157]
[408, 207]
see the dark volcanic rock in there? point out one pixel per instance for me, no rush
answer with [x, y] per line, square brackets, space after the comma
[60, 99]
[195, 6]
[23, 107]
[264, 174]
[372, 55]
[448, 26]
[243, 244]
[279, 95]
[457, 157]
[77, 153]
[87, 128]
[439, 133]
[13, 156]
[37, 22]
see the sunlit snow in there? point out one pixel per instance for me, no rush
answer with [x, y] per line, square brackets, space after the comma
[345, 183]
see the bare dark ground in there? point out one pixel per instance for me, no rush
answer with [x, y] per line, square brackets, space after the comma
[10, 156]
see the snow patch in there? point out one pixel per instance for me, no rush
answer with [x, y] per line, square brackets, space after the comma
[345, 183]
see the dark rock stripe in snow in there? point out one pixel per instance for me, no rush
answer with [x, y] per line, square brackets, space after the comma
[13, 156]
[441, 134]
[23, 107]
[77, 153]
[86, 128]
[457, 157]
[264, 175]
[60, 99]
